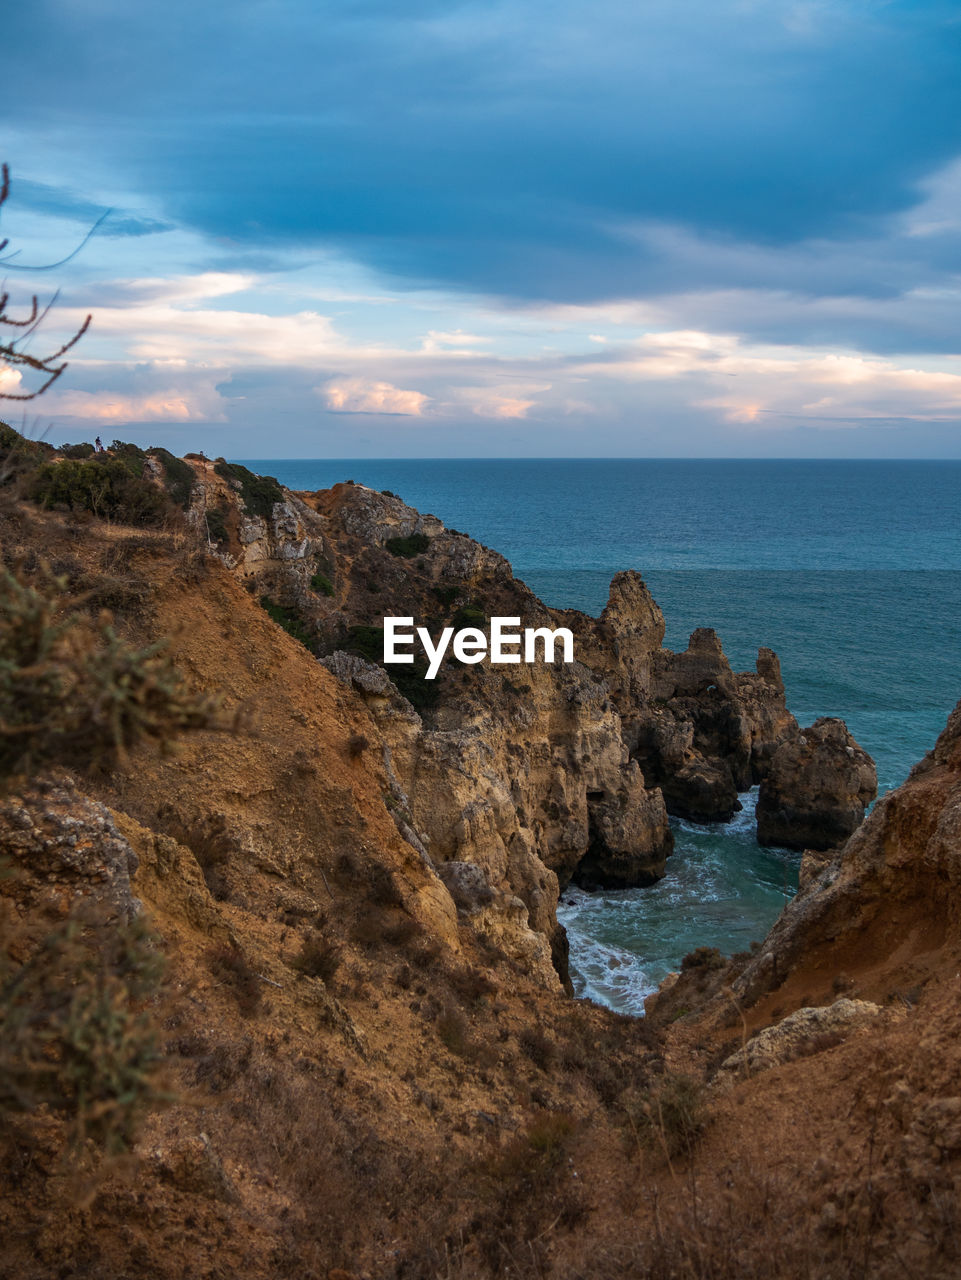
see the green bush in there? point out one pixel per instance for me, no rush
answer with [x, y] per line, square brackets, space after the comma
[19, 455]
[108, 487]
[322, 584]
[77, 1033]
[131, 455]
[259, 493]
[469, 615]
[446, 595]
[217, 524]
[287, 618]
[413, 545]
[179, 477]
[367, 642]
[71, 691]
[83, 450]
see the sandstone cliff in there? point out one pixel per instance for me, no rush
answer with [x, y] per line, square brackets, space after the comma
[536, 774]
[367, 1066]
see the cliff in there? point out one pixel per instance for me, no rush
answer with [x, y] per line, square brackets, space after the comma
[535, 774]
[359, 1060]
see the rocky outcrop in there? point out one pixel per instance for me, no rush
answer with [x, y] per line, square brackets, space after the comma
[803, 1032]
[69, 850]
[538, 774]
[895, 880]
[816, 789]
[709, 732]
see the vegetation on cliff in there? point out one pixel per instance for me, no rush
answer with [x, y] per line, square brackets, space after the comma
[360, 1059]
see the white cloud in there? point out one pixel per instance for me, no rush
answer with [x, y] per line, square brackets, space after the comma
[456, 342]
[786, 382]
[499, 402]
[10, 380]
[358, 395]
[155, 406]
[182, 289]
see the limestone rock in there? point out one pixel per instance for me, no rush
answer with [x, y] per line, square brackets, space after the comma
[798, 1034]
[68, 849]
[534, 773]
[629, 836]
[816, 790]
[899, 872]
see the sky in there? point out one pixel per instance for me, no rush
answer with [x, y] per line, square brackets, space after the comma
[626, 228]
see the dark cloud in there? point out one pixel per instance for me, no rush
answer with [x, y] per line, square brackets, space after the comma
[41, 197]
[505, 147]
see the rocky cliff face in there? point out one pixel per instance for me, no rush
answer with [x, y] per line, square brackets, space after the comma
[816, 789]
[876, 912]
[368, 1065]
[536, 774]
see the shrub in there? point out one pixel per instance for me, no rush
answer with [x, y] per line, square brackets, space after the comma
[470, 985]
[672, 1116]
[708, 958]
[208, 839]
[83, 450]
[231, 966]
[77, 1033]
[259, 493]
[322, 584]
[453, 1031]
[357, 744]
[446, 595]
[109, 487]
[538, 1047]
[133, 457]
[403, 933]
[469, 615]
[367, 642]
[179, 478]
[413, 545]
[287, 618]
[18, 455]
[526, 1191]
[383, 888]
[72, 691]
[217, 524]
[318, 958]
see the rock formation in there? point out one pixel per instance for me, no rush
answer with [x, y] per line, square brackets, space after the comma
[368, 1065]
[816, 789]
[538, 774]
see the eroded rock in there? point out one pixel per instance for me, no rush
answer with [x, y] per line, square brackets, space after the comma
[816, 790]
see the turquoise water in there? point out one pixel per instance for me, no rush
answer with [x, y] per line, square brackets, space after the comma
[851, 571]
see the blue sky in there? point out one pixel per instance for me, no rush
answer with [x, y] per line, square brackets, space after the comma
[633, 229]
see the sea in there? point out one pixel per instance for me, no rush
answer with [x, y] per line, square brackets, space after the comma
[849, 570]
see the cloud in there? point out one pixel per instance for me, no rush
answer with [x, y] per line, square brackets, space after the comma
[171, 406]
[774, 383]
[164, 319]
[356, 395]
[456, 343]
[492, 402]
[478, 146]
[10, 380]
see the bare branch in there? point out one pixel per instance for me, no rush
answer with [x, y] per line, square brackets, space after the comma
[11, 353]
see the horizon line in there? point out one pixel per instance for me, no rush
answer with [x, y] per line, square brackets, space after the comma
[575, 458]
